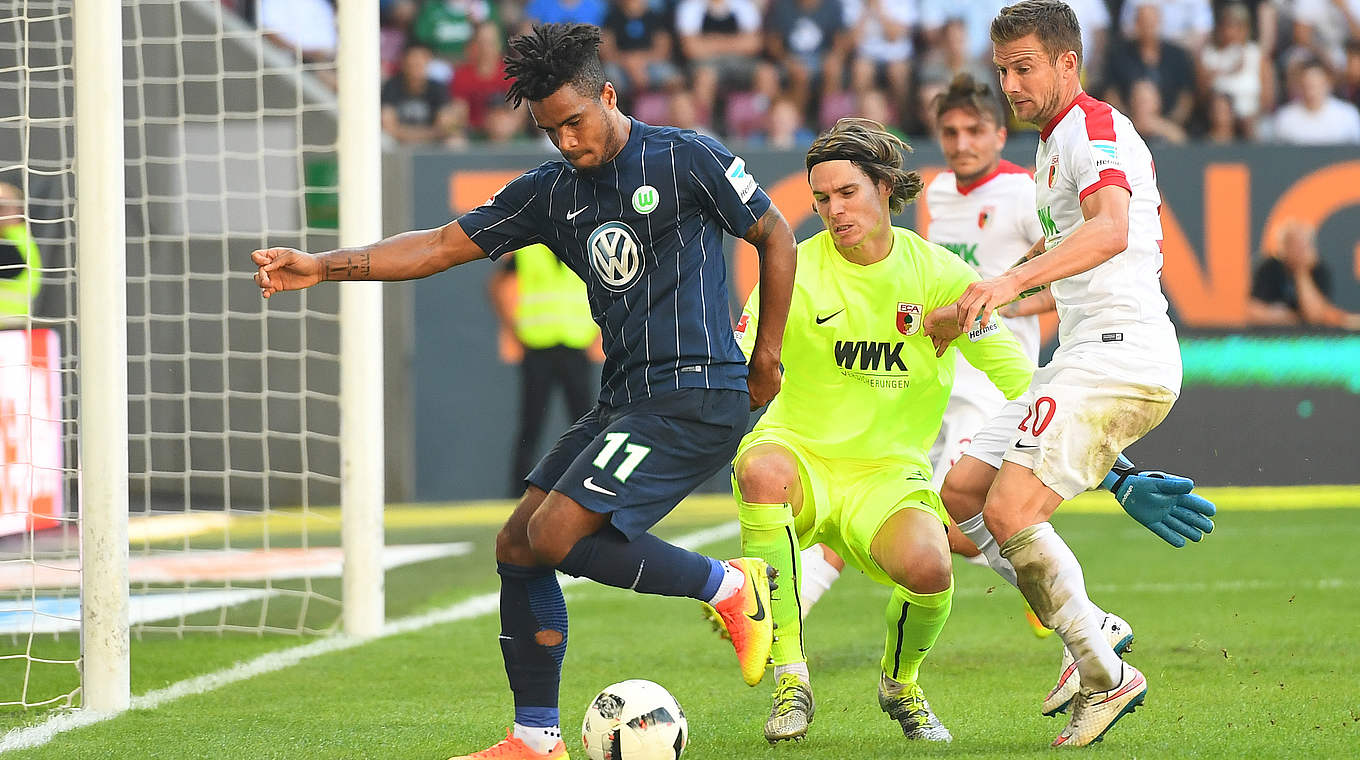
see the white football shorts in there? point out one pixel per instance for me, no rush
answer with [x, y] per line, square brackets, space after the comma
[1071, 425]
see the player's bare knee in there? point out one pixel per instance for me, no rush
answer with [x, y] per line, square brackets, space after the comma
[544, 543]
[512, 545]
[931, 575]
[927, 568]
[766, 477]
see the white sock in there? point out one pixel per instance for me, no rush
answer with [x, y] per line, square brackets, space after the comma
[731, 582]
[1051, 580]
[818, 575]
[977, 559]
[799, 669]
[977, 532]
[540, 740]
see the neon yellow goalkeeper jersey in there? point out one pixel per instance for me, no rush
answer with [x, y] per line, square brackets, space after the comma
[861, 379]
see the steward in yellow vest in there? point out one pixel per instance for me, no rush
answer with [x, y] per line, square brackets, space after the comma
[546, 327]
[20, 260]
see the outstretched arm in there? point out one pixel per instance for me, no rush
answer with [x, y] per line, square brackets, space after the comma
[773, 240]
[405, 256]
[1039, 303]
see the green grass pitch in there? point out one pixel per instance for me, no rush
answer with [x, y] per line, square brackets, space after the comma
[1247, 640]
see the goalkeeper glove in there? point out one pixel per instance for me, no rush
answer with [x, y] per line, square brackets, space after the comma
[1163, 503]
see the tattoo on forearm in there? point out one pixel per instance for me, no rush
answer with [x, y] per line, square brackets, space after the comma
[760, 231]
[354, 267]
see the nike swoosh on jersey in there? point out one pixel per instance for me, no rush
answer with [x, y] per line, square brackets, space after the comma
[590, 486]
[1019, 445]
[821, 320]
[573, 214]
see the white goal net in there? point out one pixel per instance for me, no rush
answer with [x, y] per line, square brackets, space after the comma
[233, 413]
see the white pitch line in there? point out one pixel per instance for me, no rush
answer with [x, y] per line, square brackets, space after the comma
[1296, 584]
[483, 604]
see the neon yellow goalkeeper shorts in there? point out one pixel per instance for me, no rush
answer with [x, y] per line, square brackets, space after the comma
[845, 503]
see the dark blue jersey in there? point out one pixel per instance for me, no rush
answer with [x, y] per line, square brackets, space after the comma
[645, 233]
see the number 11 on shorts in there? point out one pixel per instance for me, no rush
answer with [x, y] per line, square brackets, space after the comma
[633, 455]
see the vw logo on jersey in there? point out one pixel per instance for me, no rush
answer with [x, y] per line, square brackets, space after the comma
[615, 255]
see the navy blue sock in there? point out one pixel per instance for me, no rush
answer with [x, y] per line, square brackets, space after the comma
[533, 640]
[646, 564]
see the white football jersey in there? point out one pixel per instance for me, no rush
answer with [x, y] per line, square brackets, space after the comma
[1112, 317]
[990, 224]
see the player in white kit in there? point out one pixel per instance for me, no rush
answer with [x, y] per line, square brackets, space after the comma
[982, 209]
[1115, 374]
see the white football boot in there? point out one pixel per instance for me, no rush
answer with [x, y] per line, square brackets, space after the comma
[1095, 712]
[1120, 636]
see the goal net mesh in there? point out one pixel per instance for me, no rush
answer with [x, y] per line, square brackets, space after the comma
[233, 408]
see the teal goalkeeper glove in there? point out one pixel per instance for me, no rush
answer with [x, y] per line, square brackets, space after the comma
[1161, 502]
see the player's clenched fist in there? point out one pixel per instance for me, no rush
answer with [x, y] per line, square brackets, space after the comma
[983, 297]
[283, 269]
[763, 380]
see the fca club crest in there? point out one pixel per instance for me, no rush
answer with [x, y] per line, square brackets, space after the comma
[985, 215]
[1052, 171]
[908, 318]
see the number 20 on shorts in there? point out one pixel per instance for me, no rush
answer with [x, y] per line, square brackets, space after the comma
[1041, 411]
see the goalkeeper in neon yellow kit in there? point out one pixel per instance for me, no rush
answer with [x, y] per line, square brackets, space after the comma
[841, 456]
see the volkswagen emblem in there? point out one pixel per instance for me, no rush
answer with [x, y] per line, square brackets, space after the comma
[615, 255]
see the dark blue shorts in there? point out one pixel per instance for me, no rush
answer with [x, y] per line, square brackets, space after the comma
[636, 462]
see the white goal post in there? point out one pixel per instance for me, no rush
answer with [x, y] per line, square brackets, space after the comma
[101, 323]
[361, 319]
[208, 435]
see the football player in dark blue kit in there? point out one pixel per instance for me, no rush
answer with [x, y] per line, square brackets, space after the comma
[639, 213]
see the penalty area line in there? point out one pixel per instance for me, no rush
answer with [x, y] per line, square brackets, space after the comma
[482, 604]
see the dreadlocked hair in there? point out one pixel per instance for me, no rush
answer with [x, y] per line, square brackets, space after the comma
[876, 151]
[540, 62]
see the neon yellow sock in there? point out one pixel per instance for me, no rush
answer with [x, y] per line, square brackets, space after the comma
[914, 623]
[767, 533]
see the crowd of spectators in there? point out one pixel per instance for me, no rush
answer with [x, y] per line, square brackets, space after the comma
[777, 71]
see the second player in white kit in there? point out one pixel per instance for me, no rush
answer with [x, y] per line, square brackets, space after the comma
[989, 223]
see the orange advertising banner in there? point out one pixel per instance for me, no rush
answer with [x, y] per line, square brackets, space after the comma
[31, 494]
[1207, 272]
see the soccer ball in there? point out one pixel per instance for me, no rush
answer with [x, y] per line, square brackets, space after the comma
[634, 720]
